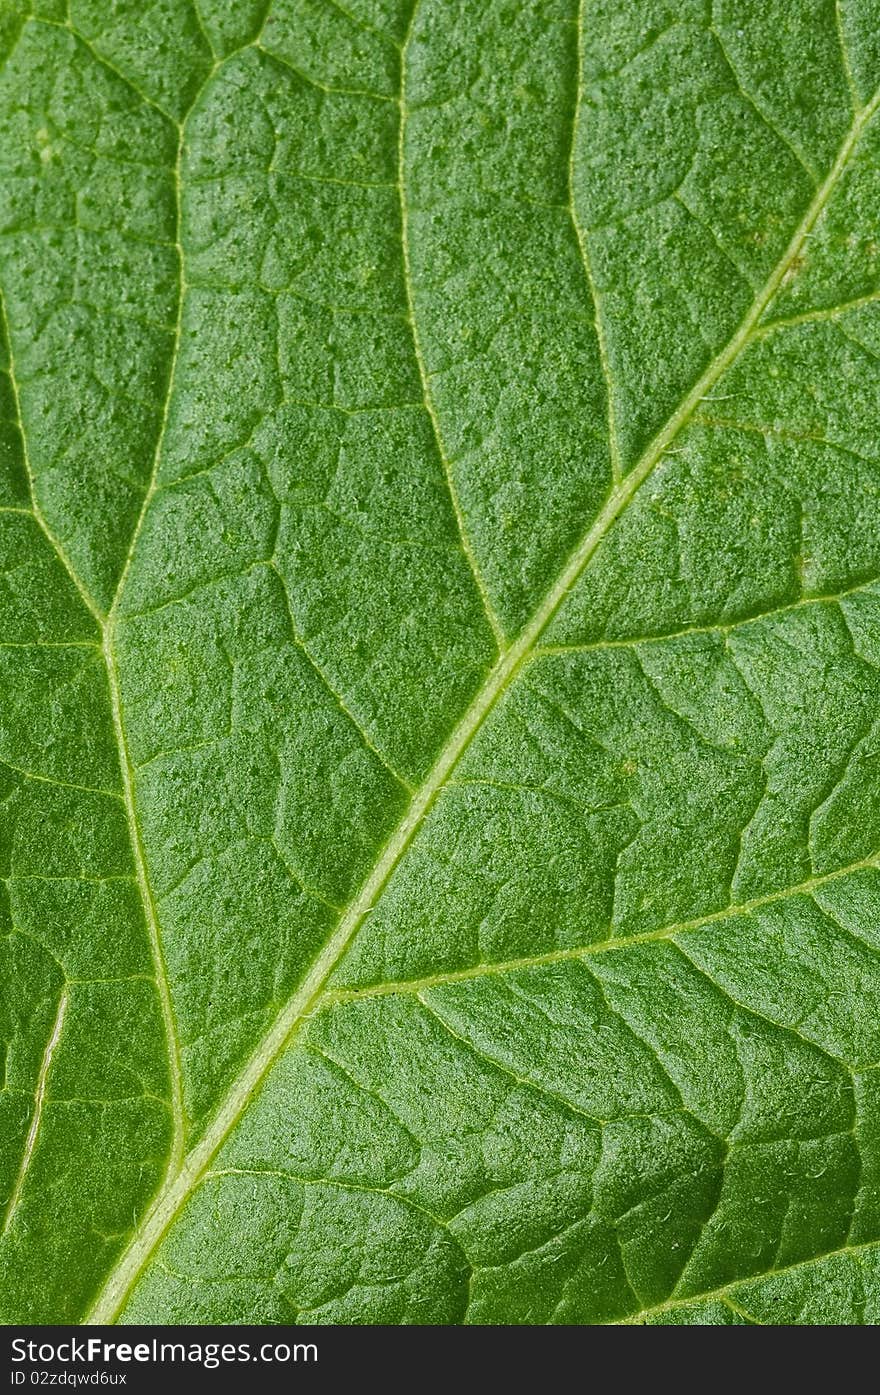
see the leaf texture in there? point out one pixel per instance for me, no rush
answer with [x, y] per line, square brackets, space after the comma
[440, 649]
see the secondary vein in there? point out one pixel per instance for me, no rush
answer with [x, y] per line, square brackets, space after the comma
[148, 901]
[613, 442]
[151, 918]
[37, 1116]
[466, 544]
[35, 510]
[305, 1000]
[105, 625]
[723, 1291]
[613, 942]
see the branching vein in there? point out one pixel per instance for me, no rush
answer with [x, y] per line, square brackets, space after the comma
[305, 1000]
[37, 1115]
[466, 544]
[580, 234]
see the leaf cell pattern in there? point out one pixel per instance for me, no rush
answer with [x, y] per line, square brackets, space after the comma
[440, 641]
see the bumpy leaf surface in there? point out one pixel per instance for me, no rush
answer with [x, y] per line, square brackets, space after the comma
[440, 661]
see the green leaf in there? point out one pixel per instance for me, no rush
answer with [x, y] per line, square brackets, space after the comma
[440, 661]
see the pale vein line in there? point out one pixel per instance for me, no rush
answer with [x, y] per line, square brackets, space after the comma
[200, 24]
[738, 1285]
[151, 918]
[782, 433]
[46, 643]
[740, 1312]
[314, 82]
[175, 353]
[467, 546]
[343, 1184]
[721, 627]
[844, 54]
[359, 728]
[303, 1002]
[580, 234]
[306, 652]
[148, 900]
[531, 1083]
[68, 28]
[35, 510]
[363, 25]
[37, 1116]
[831, 312]
[59, 784]
[758, 110]
[578, 953]
[106, 625]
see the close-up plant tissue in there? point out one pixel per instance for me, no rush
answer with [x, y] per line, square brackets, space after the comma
[440, 662]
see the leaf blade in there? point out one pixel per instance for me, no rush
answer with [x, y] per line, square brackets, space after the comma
[506, 754]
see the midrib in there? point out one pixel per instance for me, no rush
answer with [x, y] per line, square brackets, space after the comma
[178, 1188]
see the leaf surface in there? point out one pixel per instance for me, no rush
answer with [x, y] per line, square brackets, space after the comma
[440, 643]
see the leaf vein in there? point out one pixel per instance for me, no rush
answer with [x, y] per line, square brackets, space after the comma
[37, 1115]
[174, 1194]
[581, 237]
[605, 946]
[464, 536]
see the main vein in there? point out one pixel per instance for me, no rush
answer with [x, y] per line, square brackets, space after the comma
[304, 1001]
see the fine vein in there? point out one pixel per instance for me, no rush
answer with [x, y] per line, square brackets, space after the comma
[304, 1001]
[467, 546]
[36, 1117]
[87, 598]
[613, 443]
[613, 942]
[845, 60]
[105, 624]
[740, 1286]
[148, 902]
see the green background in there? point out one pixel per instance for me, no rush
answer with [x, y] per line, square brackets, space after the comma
[440, 661]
